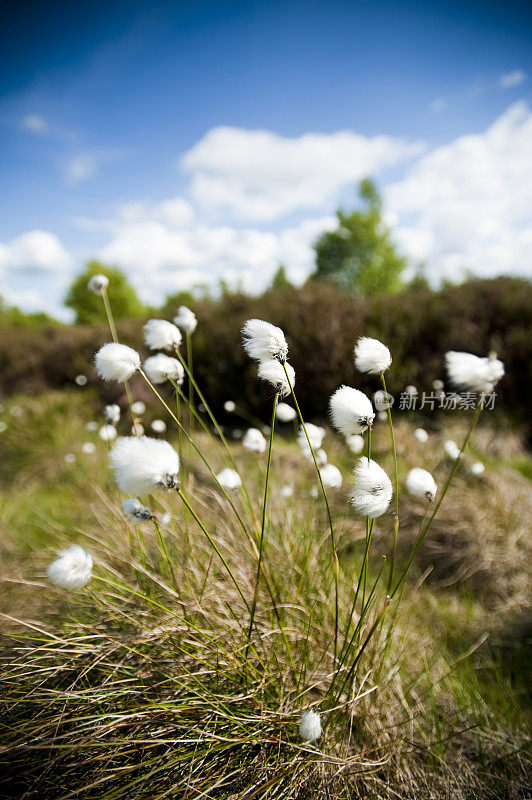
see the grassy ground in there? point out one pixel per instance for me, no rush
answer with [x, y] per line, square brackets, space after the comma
[145, 685]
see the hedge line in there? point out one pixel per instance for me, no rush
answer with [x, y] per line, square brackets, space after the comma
[321, 325]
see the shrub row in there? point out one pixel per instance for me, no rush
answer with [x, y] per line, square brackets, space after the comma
[321, 325]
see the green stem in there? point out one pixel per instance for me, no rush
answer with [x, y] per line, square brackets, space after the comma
[395, 488]
[333, 543]
[114, 334]
[190, 372]
[263, 521]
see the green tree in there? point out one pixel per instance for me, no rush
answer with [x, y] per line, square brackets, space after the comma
[280, 279]
[89, 308]
[360, 256]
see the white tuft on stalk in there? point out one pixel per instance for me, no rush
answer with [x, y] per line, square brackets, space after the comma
[116, 362]
[254, 441]
[372, 356]
[98, 284]
[355, 443]
[469, 372]
[185, 319]
[420, 483]
[372, 491]
[274, 372]
[421, 435]
[264, 341]
[229, 406]
[112, 414]
[310, 726]
[315, 434]
[160, 368]
[351, 411]
[138, 407]
[451, 449]
[331, 476]
[134, 510]
[477, 468]
[159, 334]
[107, 433]
[158, 426]
[142, 464]
[285, 413]
[229, 478]
[72, 569]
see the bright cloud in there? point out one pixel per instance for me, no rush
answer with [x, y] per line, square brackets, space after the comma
[259, 176]
[34, 251]
[467, 205]
[510, 79]
[81, 167]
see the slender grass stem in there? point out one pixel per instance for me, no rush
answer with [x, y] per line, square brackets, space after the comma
[263, 521]
[333, 543]
[190, 383]
[395, 487]
[424, 531]
[114, 334]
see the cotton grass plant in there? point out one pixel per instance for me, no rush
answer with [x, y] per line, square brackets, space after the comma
[216, 644]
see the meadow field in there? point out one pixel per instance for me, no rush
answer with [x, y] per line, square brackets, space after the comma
[220, 612]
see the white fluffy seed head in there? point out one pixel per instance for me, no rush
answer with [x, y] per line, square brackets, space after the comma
[372, 491]
[421, 435]
[229, 478]
[274, 372]
[420, 483]
[254, 441]
[310, 726]
[116, 362]
[112, 414]
[355, 443]
[477, 468]
[285, 413]
[88, 448]
[158, 426]
[229, 406]
[160, 368]
[98, 283]
[287, 491]
[107, 433]
[331, 476]
[451, 449]
[469, 372]
[142, 464]
[372, 356]
[351, 411]
[264, 341]
[159, 334]
[72, 569]
[185, 319]
[134, 510]
[138, 407]
[315, 434]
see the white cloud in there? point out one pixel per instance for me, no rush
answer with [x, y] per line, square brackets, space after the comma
[34, 251]
[34, 123]
[438, 105]
[81, 167]
[466, 205]
[510, 79]
[260, 176]
[176, 212]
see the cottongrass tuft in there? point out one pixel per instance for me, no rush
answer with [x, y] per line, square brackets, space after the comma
[111, 414]
[372, 491]
[310, 726]
[116, 362]
[72, 569]
[254, 441]
[372, 356]
[107, 433]
[264, 341]
[315, 434]
[142, 464]
[451, 449]
[138, 407]
[467, 371]
[420, 483]
[88, 448]
[133, 509]
[98, 284]
[229, 406]
[421, 435]
[229, 478]
[355, 443]
[285, 413]
[161, 368]
[158, 426]
[351, 411]
[274, 372]
[185, 319]
[159, 334]
[331, 476]
[477, 468]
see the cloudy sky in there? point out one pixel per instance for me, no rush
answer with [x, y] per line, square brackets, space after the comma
[186, 142]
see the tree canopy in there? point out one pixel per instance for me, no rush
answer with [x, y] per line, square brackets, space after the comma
[360, 256]
[89, 308]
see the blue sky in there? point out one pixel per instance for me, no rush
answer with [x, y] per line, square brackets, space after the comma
[187, 142]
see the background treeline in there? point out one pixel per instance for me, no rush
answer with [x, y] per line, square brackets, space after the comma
[322, 323]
